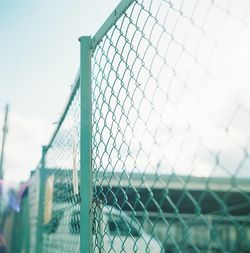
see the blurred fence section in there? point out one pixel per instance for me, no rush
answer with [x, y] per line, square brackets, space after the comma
[60, 198]
[15, 225]
[169, 126]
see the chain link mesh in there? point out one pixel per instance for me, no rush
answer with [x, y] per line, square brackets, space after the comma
[61, 201]
[171, 120]
[171, 140]
[33, 210]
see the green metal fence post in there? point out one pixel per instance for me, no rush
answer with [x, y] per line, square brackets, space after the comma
[17, 236]
[26, 225]
[39, 232]
[85, 146]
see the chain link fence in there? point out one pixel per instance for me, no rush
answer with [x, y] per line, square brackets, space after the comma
[171, 127]
[34, 206]
[170, 136]
[61, 216]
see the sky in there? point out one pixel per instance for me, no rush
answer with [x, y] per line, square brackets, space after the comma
[188, 114]
[204, 127]
[39, 58]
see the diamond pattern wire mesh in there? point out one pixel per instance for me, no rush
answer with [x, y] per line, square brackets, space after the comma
[33, 210]
[61, 203]
[171, 141]
[171, 120]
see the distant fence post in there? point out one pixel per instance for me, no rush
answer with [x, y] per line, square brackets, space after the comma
[39, 231]
[86, 239]
[26, 225]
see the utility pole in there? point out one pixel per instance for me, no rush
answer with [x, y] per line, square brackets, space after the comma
[5, 130]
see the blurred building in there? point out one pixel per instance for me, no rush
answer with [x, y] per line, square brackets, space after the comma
[187, 214]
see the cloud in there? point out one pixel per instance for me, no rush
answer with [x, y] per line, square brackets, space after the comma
[25, 137]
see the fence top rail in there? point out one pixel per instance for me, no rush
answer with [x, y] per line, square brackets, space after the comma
[110, 21]
[96, 39]
[75, 86]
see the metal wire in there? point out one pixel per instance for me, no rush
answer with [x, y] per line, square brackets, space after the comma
[61, 202]
[171, 141]
[171, 128]
[33, 210]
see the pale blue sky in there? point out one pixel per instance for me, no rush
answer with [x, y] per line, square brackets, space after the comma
[39, 57]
